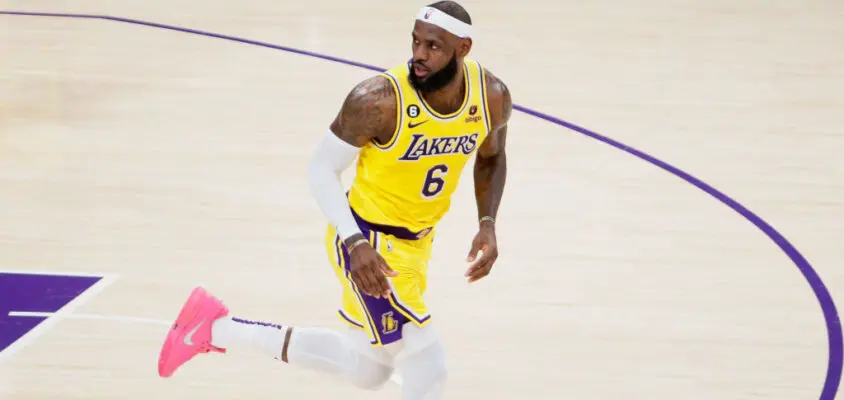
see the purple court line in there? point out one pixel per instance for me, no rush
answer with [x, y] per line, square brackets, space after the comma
[833, 324]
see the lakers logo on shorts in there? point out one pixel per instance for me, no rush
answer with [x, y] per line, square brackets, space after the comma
[388, 323]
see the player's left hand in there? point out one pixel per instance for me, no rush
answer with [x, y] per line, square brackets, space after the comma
[485, 243]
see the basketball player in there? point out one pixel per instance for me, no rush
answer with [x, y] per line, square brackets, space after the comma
[412, 129]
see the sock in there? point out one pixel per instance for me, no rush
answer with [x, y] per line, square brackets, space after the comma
[232, 333]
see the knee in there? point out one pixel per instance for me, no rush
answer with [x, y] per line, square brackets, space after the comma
[429, 367]
[424, 374]
[424, 367]
[371, 375]
[440, 372]
[435, 376]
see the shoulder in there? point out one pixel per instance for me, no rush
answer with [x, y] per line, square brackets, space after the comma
[372, 93]
[376, 88]
[368, 111]
[498, 98]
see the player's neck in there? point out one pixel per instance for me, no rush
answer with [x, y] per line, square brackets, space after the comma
[449, 98]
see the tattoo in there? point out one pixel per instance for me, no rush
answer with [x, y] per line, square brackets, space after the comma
[491, 164]
[368, 113]
[501, 106]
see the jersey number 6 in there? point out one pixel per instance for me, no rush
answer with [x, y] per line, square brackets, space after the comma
[434, 183]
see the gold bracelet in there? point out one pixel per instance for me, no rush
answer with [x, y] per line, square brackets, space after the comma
[487, 218]
[356, 244]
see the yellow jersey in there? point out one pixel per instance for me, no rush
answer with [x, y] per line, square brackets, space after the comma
[408, 182]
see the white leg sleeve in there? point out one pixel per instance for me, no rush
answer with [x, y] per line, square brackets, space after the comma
[422, 364]
[327, 351]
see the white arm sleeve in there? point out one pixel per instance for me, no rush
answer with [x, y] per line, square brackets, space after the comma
[331, 157]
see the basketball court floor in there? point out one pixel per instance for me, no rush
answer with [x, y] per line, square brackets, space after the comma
[671, 229]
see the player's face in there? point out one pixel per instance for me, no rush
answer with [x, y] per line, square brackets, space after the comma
[435, 57]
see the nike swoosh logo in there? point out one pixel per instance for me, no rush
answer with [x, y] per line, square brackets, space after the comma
[411, 125]
[189, 337]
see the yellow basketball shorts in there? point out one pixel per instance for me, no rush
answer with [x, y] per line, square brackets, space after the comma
[381, 318]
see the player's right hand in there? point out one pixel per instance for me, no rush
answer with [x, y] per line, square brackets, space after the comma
[370, 271]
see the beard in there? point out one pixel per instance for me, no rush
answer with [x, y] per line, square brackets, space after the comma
[434, 80]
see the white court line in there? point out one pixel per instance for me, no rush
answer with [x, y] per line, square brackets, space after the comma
[137, 320]
[44, 326]
[56, 273]
[116, 318]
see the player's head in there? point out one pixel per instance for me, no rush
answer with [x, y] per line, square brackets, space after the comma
[441, 39]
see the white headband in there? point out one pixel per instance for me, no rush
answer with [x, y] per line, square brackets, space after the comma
[433, 16]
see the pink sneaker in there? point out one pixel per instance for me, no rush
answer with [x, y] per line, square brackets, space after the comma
[191, 333]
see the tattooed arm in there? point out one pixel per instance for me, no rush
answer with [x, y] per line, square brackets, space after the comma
[490, 176]
[368, 113]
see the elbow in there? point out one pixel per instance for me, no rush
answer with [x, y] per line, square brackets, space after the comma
[312, 166]
[316, 171]
[322, 172]
[327, 163]
[491, 159]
